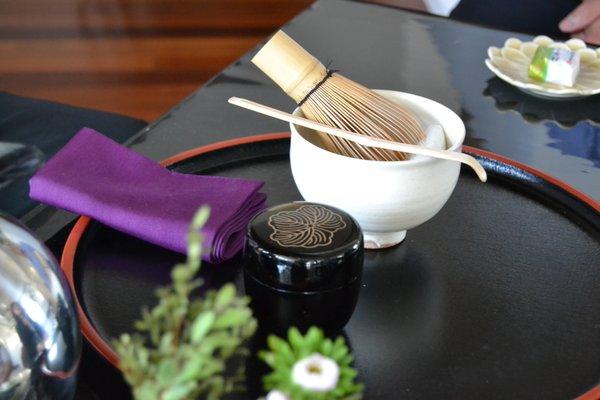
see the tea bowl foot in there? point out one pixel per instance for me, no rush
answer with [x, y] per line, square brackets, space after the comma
[379, 240]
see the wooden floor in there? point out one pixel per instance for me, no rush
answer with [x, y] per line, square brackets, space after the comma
[135, 57]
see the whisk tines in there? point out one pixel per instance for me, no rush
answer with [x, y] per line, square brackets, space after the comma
[330, 98]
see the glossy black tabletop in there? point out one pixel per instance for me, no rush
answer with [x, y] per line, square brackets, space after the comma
[388, 48]
[394, 49]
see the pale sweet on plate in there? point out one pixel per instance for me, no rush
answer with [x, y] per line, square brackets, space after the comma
[511, 63]
[554, 65]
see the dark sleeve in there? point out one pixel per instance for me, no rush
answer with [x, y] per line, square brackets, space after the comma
[528, 16]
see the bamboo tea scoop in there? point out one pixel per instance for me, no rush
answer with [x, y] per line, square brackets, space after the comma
[363, 140]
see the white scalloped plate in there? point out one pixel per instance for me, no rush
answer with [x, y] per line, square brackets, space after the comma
[511, 64]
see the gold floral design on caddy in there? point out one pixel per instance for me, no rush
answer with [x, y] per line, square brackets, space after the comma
[308, 226]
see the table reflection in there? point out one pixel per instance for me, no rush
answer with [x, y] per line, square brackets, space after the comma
[532, 109]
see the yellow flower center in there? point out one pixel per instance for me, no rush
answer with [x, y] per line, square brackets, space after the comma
[314, 368]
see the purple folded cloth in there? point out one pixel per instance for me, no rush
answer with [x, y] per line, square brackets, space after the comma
[94, 176]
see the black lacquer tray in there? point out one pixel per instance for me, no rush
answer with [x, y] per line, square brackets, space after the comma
[496, 297]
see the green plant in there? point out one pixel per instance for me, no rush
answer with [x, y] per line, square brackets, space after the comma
[285, 357]
[185, 347]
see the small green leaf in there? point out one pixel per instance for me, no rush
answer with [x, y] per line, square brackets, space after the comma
[339, 353]
[181, 273]
[249, 329]
[167, 369]
[276, 344]
[202, 325]
[326, 347]
[200, 218]
[225, 296]
[233, 317]
[267, 357]
[178, 392]
[295, 338]
[192, 369]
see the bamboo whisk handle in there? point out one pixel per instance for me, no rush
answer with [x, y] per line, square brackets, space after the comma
[290, 66]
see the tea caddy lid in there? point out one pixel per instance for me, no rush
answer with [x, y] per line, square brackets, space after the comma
[304, 246]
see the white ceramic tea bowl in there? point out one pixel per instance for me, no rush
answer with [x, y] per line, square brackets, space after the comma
[385, 197]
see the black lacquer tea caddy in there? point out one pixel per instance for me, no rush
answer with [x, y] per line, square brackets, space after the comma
[303, 266]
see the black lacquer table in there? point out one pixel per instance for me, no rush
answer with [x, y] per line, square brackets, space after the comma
[433, 57]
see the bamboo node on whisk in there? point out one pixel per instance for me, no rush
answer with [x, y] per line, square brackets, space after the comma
[328, 75]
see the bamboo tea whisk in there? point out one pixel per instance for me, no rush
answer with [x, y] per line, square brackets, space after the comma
[331, 99]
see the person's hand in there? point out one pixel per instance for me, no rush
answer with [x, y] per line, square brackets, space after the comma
[584, 22]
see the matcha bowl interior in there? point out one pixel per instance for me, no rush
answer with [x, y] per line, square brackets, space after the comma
[385, 197]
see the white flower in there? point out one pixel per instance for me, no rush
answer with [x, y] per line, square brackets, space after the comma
[316, 373]
[276, 395]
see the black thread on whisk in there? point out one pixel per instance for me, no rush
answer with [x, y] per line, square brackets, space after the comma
[327, 76]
